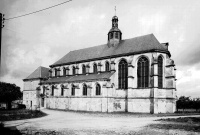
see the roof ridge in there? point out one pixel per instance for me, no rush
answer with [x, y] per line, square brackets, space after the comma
[137, 44]
[139, 36]
[88, 47]
[35, 74]
[43, 67]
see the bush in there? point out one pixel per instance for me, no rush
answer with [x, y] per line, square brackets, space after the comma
[21, 106]
[186, 103]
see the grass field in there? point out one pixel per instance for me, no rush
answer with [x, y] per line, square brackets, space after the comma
[6, 115]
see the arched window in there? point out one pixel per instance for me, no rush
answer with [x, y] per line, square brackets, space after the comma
[116, 34]
[73, 90]
[43, 89]
[62, 90]
[84, 90]
[52, 90]
[64, 72]
[111, 35]
[123, 75]
[83, 69]
[98, 89]
[95, 68]
[50, 73]
[107, 66]
[73, 70]
[160, 72]
[55, 70]
[143, 72]
[58, 71]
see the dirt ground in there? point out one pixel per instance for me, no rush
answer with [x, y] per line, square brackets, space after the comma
[80, 123]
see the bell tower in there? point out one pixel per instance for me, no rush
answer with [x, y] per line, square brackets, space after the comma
[114, 35]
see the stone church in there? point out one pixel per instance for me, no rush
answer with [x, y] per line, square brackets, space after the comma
[124, 75]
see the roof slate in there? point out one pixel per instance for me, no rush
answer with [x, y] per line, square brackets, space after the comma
[40, 72]
[79, 78]
[133, 45]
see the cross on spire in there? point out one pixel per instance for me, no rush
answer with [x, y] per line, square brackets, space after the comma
[115, 10]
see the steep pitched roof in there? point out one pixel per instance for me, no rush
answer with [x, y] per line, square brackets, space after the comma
[128, 46]
[40, 72]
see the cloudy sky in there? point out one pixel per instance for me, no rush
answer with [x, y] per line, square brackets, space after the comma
[41, 39]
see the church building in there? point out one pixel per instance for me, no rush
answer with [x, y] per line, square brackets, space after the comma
[124, 75]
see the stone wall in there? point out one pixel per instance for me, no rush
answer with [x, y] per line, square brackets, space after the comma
[30, 94]
[81, 104]
[30, 99]
[113, 99]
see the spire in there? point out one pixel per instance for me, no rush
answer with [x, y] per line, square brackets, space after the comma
[114, 35]
[115, 10]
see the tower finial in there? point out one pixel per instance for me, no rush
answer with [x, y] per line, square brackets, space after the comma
[115, 10]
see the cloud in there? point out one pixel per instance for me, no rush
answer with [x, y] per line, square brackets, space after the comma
[43, 38]
[29, 46]
[188, 82]
[154, 21]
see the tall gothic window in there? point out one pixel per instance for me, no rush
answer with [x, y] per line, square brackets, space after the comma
[83, 69]
[95, 68]
[98, 89]
[84, 90]
[123, 75]
[73, 70]
[160, 72]
[143, 72]
[73, 90]
[107, 66]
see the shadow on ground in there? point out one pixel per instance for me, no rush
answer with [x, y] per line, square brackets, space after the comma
[9, 130]
[191, 124]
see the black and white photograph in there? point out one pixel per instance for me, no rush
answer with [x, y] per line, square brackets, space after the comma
[99, 67]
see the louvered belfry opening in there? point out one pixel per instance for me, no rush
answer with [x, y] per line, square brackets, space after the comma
[160, 72]
[123, 75]
[143, 72]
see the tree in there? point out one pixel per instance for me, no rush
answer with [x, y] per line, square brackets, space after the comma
[9, 92]
[196, 104]
[183, 102]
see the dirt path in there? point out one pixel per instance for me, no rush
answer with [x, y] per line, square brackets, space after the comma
[86, 122]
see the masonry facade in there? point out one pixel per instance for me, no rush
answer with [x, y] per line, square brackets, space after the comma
[131, 75]
[31, 93]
